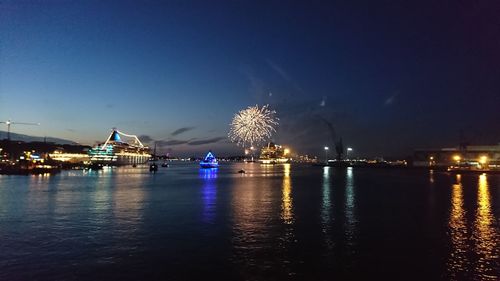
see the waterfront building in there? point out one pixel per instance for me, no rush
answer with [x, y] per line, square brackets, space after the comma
[306, 159]
[12, 150]
[62, 156]
[487, 156]
[3, 155]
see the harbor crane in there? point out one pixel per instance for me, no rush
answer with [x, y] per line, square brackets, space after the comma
[9, 123]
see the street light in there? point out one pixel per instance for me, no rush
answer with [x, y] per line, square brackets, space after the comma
[483, 159]
[326, 154]
[251, 149]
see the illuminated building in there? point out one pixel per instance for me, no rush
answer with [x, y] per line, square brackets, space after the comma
[62, 156]
[482, 156]
[115, 151]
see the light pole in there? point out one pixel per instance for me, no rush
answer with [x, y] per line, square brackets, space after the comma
[326, 155]
[483, 160]
[349, 149]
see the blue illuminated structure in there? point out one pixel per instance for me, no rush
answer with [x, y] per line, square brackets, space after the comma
[210, 161]
[116, 137]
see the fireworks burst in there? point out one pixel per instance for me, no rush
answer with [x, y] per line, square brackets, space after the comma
[253, 125]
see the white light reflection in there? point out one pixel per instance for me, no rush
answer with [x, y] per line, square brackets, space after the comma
[41, 191]
[251, 213]
[349, 206]
[326, 207]
[129, 197]
[102, 198]
[287, 203]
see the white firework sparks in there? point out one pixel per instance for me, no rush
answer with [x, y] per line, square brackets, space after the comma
[253, 125]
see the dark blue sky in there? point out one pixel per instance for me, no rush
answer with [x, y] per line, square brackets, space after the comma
[389, 76]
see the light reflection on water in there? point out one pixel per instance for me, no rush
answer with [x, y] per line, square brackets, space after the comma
[116, 200]
[458, 231]
[485, 234]
[431, 176]
[287, 203]
[209, 193]
[280, 221]
[326, 207]
[350, 214]
[102, 199]
[251, 208]
[474, 253]
[260, 223]
[38, 183]
[129, 199]
[287, 215]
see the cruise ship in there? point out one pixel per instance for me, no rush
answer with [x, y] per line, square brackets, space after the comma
[274, 154]
[116, 151]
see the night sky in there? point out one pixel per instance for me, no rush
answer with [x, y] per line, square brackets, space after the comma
[386, 76]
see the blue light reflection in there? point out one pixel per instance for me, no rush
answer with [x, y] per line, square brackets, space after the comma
[209, 194]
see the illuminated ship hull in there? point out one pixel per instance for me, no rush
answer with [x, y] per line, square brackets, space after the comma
[116, 152]
[208, 165]
[274, 161]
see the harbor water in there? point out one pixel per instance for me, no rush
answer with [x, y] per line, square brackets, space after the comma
[273, 222]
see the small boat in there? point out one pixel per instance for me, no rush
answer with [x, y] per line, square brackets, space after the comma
[153, 168]
[209, 161]
[164, 164]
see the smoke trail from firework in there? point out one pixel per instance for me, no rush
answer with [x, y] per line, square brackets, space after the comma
[253, 125]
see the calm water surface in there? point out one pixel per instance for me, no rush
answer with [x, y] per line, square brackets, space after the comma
[283, 222]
